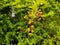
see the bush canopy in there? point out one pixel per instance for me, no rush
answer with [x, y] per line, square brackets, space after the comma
[29, 22]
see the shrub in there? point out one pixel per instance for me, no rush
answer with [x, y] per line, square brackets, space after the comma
[29, 22]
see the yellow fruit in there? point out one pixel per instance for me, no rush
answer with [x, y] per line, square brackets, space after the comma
[39, 10]
[32, 27]
[30, 22]
[32, 31]
[39, 14]
[30, 34]
[29, 30]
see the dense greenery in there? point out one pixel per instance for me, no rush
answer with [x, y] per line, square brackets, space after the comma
[29, 22]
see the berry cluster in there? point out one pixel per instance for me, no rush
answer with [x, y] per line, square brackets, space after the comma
[31, 21]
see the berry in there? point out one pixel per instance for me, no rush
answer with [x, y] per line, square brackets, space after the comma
[32, 31]
[39, 10]
[29, 30]
[30, 22]
[32, 27]
[30, 34]
[39, 14]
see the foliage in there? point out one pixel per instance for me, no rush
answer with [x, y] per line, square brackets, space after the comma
[29, 22]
